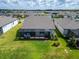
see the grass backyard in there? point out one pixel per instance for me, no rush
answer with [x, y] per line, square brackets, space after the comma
[11, 48]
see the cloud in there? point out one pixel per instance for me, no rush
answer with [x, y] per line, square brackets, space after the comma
[39, 4]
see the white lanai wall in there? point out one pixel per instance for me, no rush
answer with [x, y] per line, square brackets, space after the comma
[7, 27]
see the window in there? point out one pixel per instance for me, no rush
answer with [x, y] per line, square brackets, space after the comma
[31, 33]
[42, 33]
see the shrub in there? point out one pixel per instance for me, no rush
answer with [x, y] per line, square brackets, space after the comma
[56, 44]
[72, 42]
[55, 38]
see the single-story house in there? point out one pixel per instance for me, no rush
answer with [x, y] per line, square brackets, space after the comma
[37, 27]
[6, 23]
[67, 26]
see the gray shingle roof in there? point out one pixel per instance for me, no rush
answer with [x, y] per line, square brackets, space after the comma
[68, 23]
[38, 22]
[5, 20]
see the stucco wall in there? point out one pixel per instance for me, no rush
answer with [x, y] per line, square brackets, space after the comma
[9, 26]
[76, 31]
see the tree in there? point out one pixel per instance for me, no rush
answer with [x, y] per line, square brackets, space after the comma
[72, 39]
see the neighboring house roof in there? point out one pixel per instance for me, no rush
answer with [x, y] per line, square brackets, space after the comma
[5, 20]
[38, 22]
[67, 23]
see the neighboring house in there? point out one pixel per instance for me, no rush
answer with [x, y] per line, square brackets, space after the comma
[6, 23]
[67, 26]
[37, 27]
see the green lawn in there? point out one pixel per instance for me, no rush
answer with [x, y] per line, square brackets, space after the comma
[11, 48]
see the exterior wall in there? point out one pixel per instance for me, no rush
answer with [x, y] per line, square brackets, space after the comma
[65, 32]
[36, 33]
[9, 26]
[76, 32]
[1, 31]
[15, 23]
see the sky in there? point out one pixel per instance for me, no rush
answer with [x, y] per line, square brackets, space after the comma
[39, 4]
